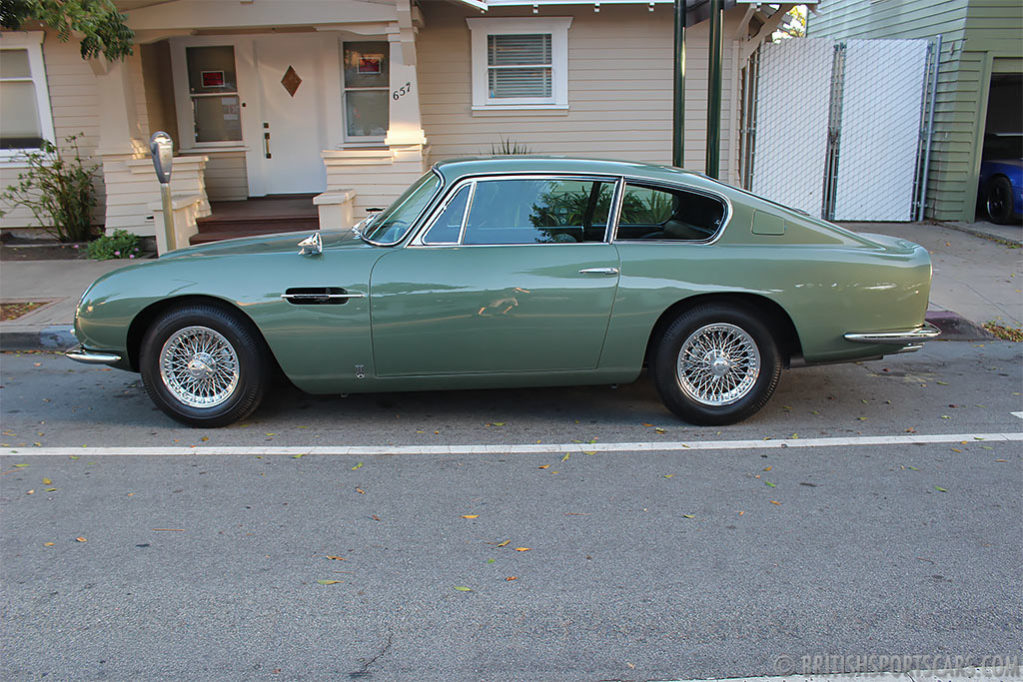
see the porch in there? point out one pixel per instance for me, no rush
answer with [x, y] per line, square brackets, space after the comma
[282, 120]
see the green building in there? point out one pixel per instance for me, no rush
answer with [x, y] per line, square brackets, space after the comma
[980, 83]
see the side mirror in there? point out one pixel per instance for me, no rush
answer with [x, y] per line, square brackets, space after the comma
[162, 148]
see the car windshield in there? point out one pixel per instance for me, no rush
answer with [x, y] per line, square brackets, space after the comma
[391, 226]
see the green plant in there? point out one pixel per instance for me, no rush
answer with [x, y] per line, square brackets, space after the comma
[57, 188]
[121, 244]
[97, 24]
[508, 147]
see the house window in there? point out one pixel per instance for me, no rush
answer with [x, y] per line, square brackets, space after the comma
[213, 87]
[519, 63]
[25, 119]
[366, 81]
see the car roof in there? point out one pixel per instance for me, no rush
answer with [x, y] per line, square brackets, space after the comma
[454, 169]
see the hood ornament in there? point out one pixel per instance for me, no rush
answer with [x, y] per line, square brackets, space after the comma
[311, 245]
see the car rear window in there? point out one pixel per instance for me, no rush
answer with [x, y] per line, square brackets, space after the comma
[662, 214]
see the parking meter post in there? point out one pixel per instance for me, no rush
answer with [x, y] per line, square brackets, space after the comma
[162, 148]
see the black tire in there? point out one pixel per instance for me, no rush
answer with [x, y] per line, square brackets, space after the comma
[998, 200]
[740, 380]
[227, 371]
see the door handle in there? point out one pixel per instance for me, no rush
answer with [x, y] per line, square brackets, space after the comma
[266, 144]
[599, 271]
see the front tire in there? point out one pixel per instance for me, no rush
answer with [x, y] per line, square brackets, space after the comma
[204, 366]
[998, 200]
[716, 364]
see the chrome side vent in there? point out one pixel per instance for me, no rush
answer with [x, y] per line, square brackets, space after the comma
[318, 296]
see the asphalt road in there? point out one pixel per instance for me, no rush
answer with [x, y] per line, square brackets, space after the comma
[665, 563]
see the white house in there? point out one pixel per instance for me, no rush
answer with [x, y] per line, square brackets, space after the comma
[350, 100]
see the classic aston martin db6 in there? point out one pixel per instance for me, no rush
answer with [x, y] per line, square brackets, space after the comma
[511, 272]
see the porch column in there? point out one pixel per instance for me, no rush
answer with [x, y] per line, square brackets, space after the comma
[121, 129]
[405, 127]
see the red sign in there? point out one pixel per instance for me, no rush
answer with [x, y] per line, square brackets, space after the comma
[213, 79]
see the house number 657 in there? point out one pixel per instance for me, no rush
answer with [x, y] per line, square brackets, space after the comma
[402, 91]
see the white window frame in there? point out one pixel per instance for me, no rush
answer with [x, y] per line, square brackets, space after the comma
[33, 42]
[557, 27]
[183, 96]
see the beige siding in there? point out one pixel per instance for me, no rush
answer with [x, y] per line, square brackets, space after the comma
[377, 176]
[619, 89]
[226, 176]
[75, 109]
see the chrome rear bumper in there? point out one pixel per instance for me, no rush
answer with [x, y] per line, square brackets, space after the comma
[924, 332]
[79, 354]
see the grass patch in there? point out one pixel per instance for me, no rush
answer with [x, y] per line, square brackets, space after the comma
[1005, 333]
[12, 311]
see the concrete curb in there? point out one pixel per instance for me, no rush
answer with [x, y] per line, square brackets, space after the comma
[953, 326]
[31, 337]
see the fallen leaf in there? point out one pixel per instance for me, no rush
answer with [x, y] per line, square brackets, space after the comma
[470, 516]
[688, 516]
[512, 577]
[523, 549]
[770, 484]
[80, 539]
[31, 492]
[940, 489]
[565, 458]
[374, 517]
[956, 450]
[490, 561]
[668, 475]
[49, 544]
[589, 452]
[299, 455]
[741, 513]
[544, 466]
[357, 466]
[645, 424]
[47, 481]
[775, 502]
[498, 423]
[51, 490]
[21, 466]
[768, 468]
[336, 558]
[463, 588]
[204, 439]
[360, 491]
[329, 582]
[503, 544]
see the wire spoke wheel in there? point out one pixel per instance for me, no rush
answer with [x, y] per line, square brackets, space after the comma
[718, 364]
[199, 367]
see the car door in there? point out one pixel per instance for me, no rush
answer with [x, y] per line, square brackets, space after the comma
[511, 275]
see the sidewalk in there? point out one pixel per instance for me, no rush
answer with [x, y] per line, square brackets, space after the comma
[977, 279]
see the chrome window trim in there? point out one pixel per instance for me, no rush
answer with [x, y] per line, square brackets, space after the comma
[660, 184]
[423, 229]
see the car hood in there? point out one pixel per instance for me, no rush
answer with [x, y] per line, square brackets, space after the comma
[268, 244]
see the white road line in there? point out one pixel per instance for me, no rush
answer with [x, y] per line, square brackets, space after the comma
[509, 449]
[1017, 414]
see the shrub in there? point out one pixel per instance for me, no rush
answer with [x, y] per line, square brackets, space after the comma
[57, 188]
[121, 244]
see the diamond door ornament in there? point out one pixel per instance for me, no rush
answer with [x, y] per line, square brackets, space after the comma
[291, 81]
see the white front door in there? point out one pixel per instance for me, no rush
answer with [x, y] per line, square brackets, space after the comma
[290, 70]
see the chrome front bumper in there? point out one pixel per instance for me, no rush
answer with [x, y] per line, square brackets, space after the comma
[79, 354]
[924, 332]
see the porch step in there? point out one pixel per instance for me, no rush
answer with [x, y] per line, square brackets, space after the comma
[263, 215]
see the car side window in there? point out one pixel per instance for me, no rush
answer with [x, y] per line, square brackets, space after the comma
[656, 213]
[540, 211]
[448, 224]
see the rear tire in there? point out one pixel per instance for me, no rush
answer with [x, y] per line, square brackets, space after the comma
[998, 200]
[716, 364]
[204, 366]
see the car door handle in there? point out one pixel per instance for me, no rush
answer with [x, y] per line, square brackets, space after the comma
[599, 271]
[318, 295]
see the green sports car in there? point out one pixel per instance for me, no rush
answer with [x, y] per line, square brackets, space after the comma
[511, 272]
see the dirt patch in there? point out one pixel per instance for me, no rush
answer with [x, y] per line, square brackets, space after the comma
[43, 251]
[1005, 333]
[14, 310]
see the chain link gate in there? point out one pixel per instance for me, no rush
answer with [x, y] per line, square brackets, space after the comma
[839, 130]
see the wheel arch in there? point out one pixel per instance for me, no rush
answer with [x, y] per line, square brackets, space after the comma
[145, 318]
[771, 313]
